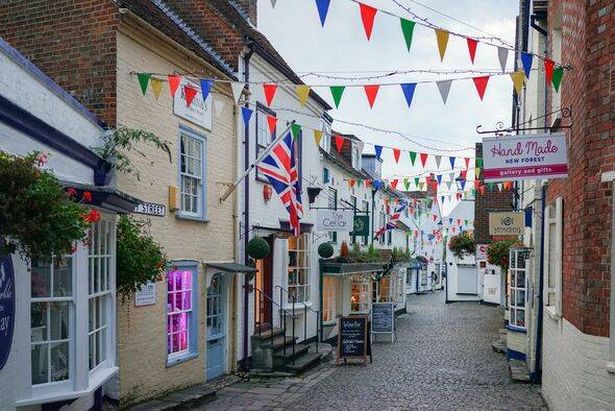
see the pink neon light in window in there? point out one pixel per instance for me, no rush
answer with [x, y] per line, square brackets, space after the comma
[179, 307]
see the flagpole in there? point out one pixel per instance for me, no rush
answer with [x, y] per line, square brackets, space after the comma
[260, 158]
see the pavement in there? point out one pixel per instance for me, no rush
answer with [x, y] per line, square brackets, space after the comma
[442, 359]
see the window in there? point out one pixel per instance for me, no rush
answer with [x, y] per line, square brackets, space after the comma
[325, 175]
[353, 201]
[381, 291]
[553, 257]
[326, 140]
[215, 310]
[332, 205]
[359, 299]
[51, 319]
[329, 299]
[100, 293]
[423, 276]
[181, 324]
[298, 269]
[518, 287]
[366, 211]
[192, 175]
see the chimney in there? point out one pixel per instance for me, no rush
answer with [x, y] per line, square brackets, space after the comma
[249, 8]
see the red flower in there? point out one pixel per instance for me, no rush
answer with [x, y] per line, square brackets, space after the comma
[71, 192]
[41, 159]
[92, 217]
[87, 197]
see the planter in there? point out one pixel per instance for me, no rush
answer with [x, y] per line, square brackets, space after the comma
[332, 267]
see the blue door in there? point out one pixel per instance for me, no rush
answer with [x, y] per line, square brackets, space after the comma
[216, 327]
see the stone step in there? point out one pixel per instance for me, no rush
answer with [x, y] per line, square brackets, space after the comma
[265, 335]
[300, 349]
[180, 400]
[304, 363]
[278, 342]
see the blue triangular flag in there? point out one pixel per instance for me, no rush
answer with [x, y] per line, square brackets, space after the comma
[452, 160]
[526, 60]
[323, 9]
[247, 114]
[206, 87]
[439, 178]
[408, 89]
[462, 183]
[442, 199]
[378, 151]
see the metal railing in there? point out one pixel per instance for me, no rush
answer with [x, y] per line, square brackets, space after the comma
[306, 308]
[261, 298]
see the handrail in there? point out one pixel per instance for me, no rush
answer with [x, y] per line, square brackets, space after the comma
[272, 300]
[282, 319]
[295, 298]
[305, 320]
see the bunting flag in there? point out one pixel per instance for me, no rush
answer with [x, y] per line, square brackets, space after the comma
[424, 159]
[394, 184]
[339, 143]
[317, 137]
[273, 2]
[408, 89]
[451, 176]
[336, 92]
[219, 106]
[549, 65]
[452, 160]
[237, 89]
[439, 179]
[442, 38]
[449, 184]
[441, 199]
[503, 57]
[206, 86]
[368, 14]
[421, 185]
[269, 90]
[477, 172]
[412, 157]
[558, 74]
[416, 181]
[396, 153]
[407, 184]
[144, 81]
[272, 121]
[463, 174]
[438, 160]
[246, 113]
[407, 28]
[190, 94]
[378, 150]
[371, 91]
[500, 187]
[444, 86]
[481, 85]
[467, 161]
[518, 79]
[323, 9]
[367, 183]
[156, 85]
[174, 80]
[296, 130]
[526, 61]
[472, 43]
[351, 183]
[303, 92]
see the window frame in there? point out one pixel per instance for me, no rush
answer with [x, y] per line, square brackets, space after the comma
[515, 288]
[329, 297]
[553, 216]
[365, 291]
[201, 215]
[307, 269]
[262, 112]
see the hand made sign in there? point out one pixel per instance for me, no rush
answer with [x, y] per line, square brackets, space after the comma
[525, 157]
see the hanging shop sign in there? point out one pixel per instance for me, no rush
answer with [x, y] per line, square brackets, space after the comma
[158, 210]
[198, 111]
[506, 223]
[352, 338]
[383, 318]
[334, 220]
[7, 307]
[525, 157]
[361, 226]
[146, 295]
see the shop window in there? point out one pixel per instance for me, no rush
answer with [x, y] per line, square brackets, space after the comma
[382, 291]
[553, 257]
[298, 269]
[51, 319]
[181, 324]
[518, 288]
[329, 299]
[192, 175]
[359, 298]
[332, 204]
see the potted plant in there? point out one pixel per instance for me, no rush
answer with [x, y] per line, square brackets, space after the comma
[498, 253]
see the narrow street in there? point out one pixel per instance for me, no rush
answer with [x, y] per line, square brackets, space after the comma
[442, 360]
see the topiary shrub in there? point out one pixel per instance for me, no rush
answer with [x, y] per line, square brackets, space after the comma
[325, 250]
[258, 248]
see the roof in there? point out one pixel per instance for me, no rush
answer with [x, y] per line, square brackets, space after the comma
[340, 161]
[232, 267]
[261, 44]
[160, 16]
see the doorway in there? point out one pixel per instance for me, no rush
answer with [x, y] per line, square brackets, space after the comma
[263, 294]
[216, 327]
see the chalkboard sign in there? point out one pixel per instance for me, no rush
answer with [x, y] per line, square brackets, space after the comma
[383, 318]
[352, 338]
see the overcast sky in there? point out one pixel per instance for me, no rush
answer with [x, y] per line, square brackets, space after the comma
[342, 49]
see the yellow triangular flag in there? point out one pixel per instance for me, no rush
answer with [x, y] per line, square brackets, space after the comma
[477, 173]
[303, 92]
[518, 78]
[156, 86]
[317, 136]
[442, 37]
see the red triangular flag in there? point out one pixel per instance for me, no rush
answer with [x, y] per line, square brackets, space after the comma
[463, 174]
[394, 184]
[472, 48]
[272, 121]
[424, 159]
[435, 217]
[351, 183]
[481, 85]
[371, 91]
[174, 80]
[396, 153]
[339, 143]
[368, 14]
[467, 160]
[367, 183]
[269, 90]
[190, 94]
[549, 65]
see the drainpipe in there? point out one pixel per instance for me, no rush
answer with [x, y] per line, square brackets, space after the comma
[536, 376]
[246, 221]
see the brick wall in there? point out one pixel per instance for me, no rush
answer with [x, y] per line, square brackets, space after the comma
[72, 41]
[588, 45]
[486, 203]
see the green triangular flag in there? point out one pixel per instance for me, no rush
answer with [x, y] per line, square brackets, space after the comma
[359, 183]
[144, 81]
[558, 73]
[490, 186]
[416, 181]
[336, 92]
[296, 130]
[407, 27]
[479, 162]
[407, 184]
[413, 157]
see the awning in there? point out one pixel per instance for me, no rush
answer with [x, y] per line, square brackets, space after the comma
[343, 269]
[232, 267]
[107, 198]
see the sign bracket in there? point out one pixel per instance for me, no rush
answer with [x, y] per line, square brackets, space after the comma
[566, 112]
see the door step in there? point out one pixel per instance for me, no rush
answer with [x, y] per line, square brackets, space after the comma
[303, 363]
[286, 353]
[278, 342]
[265, 335]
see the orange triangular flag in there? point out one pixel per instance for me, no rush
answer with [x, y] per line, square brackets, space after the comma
[272, 121]
[371, 91]
[269, 90]
[368, 14]
[174, 80]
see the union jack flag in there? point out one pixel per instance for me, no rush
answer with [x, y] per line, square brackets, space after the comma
[280, 168]
[392, 221]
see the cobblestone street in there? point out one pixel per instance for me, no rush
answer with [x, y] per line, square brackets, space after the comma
[442, 360]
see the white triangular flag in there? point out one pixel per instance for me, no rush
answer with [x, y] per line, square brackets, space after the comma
[273, 2]
[444, 86]
[500, 187]
[503, 57]
[237, 88]
[438, 159]
[448, 185]
[452, 176]
[219, 106]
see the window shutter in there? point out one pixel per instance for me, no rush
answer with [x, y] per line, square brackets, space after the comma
[548, 291]
[559, 222]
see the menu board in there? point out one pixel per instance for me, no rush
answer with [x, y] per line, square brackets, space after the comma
[352, 337]
[383, 318]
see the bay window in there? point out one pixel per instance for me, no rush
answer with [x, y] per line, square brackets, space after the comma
[359, 298]
[192, 175]
[298, 269]
[181, 324]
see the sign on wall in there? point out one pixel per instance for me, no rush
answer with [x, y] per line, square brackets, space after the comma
[525, 157]
[146, 295]
[334, 220]
[361, 226]
[506, 223]
[158, 210]
[7, 307]
[199, 112]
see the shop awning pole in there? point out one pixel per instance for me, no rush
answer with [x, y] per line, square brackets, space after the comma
[260, 158]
